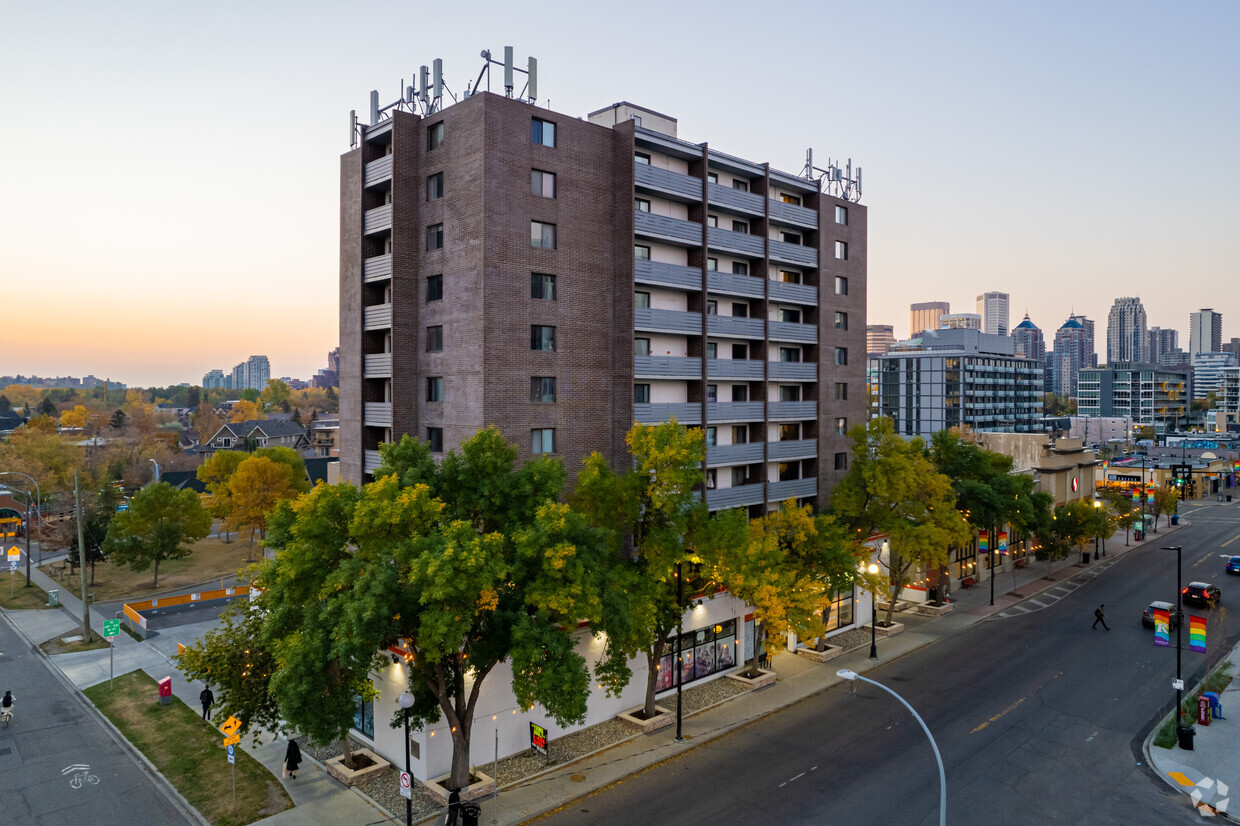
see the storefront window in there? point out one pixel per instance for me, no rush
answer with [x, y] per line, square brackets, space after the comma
[704, 652]
[364, 717]
[841, 611]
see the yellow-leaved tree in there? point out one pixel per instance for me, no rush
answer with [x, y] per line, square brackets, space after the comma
[254, 489]
[245, 411]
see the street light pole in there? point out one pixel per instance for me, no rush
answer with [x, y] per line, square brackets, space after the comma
[873, 569]
[1179, 613]
[847, 674]
[406, 702]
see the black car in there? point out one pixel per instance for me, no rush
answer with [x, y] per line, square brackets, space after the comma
[1200, 593]
[1147, 615]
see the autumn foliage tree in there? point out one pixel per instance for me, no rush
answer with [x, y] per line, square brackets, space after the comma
[254, 489]
[245, 411]
[162, 523]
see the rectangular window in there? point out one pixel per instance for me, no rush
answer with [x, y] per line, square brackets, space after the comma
[790, 237]
[542, 388]
[841, 391]
[712, 436]
[641, 300]
[542, 183]
[789, 471]
[434, 136]
[740, 351]
[712, 392]
[641, 205]
[841, 426]
[364, 717]
[641, 158]
[740, 392]
[641, 253]
[542, 132]
[740, 310]
[712, 307]
[641, 346]
[542, 235]
[542, 440]
[542, 286]
[790, 393]
[790, 199]
[790, 276]
[841, 285]
[434, 339]
[841, 355]
[641, 394]
[789, 432]
[841, 251]
[743, 186]
[740, 434]
[841, 461]
[712, 264]
[434, 388]
[790, 316]
[740, 268]
[434, 187]
[712, 177]
[712, 220]
[434, 288]
[789, 354]
[740, 226]
[542, 337]
[434, 439]
[712, 350]
[841, 215]
[841, 321]
[740, 476]
[434, 237]
[712, 479]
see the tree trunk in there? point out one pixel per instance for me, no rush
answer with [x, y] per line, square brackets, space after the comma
[756, 655]
[346, 748]
[821, 644]
[652, 672]
[459, 778]
[154, 584]
[249, 552]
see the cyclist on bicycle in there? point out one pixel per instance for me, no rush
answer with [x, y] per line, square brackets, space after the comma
[6, 707]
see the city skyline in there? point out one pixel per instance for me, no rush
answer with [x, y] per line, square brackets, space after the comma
[191, 241]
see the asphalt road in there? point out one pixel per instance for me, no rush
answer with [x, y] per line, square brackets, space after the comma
[1039, 719]
[53, 729]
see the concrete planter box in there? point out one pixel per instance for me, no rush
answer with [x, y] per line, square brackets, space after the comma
[930, 610]
[483, 786]
[809, 653]
[763, 679]
[349, 777]
[889, 631]
[901, 605]
[662, 719]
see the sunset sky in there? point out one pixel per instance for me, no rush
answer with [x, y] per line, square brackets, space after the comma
[169, 188]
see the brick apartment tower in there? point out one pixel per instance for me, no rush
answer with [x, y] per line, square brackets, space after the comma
[506, 265]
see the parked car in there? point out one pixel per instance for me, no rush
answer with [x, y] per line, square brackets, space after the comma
[1233, 565]
[1147, 615]
[1200, 593]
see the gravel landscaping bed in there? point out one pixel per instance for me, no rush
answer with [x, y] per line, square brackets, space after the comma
[851, 639]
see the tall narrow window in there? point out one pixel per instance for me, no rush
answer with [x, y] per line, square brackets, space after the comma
[841, 426]
[712, 307]
[841, 215]
[841, 461]
[542, 286]
[641, 394]
[434, 388]
[542, 183]
[841, 251]
[841, 321]
[641, 346]
[712, 392]
[434, 288]
[841, 355]
[841, 285]
[434, 439]
[712, 350]
[542, 440]
[712, 220]
[712, 437]
[542, 337]
[740, 476]
[740, 434]
[542, 388]
[641, 253]
[434, 136]
[434, 237]
[542, 235]
[542, 132]
[841, 391]
[434, 187]
[712, 264]
[434, 339]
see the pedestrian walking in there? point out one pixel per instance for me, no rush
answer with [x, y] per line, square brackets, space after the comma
[1100, 616]
[207, 699]
[292, 759]
[454, 809]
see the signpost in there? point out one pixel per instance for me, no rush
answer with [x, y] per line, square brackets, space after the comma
[406, 785]
[229, 729]
[538, 739]
[111, 628]
[15, 556]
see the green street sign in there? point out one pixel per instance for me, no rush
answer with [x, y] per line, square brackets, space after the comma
[111, 627]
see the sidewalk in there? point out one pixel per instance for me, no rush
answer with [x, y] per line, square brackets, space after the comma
[320, 799]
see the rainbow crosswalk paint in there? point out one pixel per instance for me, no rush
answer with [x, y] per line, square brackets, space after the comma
[1197, 634]
[1161, 634]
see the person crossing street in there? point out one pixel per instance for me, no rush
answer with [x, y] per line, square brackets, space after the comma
[1100, 616]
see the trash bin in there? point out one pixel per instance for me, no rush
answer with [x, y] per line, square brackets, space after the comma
[471, 812]
[1175, 519]
[1185, 735]
[1229, 497]
[934, 595]
[1084, 557]
[1138, 534]
[53, 598]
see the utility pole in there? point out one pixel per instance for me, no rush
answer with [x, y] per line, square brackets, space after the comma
[77, 503]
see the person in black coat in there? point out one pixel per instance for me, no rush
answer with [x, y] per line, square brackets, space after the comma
[207, 699]
[292, 758]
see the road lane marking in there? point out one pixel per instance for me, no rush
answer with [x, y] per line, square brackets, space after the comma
[997, 716]
[1091, 737]
[798, 777]
[1179, 777]
[1229, 541]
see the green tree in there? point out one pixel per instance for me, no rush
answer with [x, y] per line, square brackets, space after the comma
[47, 407]
[255, 488]
[294, 466]
[893, 488]
[275, 394]
[95, 521]
[193, 397]
[5, 404]
[1163, 500]
[118, 420]
[161, 523]
[236, 659]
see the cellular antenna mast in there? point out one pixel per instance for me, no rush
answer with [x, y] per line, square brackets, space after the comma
[529, 93]
[834, 180]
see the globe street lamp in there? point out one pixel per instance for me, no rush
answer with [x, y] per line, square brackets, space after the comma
[846, 674]
[406, 703]
[873, 569]
[1097, 504]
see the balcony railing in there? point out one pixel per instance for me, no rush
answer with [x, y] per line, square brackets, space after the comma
[748, 369]
[735, 199]
[737, 497]
[726, 325]
[370, 461]
[792, 214]
[377, 414]
[668, 229]
[793, 371]
[746, 454]
[380, 170]
[666, 367]
[377, 317]
[727, 283]
[684, 412]
[377, 366]
[378, 268]
[667, 275]
[793, 488]
[378, 219]
[737, 242]
[794, 293]
[792, 449]
[666, 321]
[791, 331]
[793, 254]
[793, 410]
[733, 411]
[680, 187]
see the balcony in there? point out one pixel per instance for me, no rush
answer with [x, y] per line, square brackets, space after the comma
[378, 171]
[746, 454]
[793, 254]
[377, 220]
[378, 268]
[735, 200]
[731, 326]
[671, 230]
[797, 216]
[377, 366]
[793, 489]
[377, 414]
[737, 497]
[794, 293]
[666, 367]
[793, 371]
[667, 275]
[377, 317]
[725, 283]
[741, 243]
[747, 369]
[791, 331]
[733, 412]
[370, 461]
[672, 184]
[689, 413]
[667, 321]
[788, 411]
[791, 450]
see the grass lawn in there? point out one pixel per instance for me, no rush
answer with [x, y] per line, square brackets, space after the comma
[57, 645]
[15, 596]
[212, 559]
[189, 752]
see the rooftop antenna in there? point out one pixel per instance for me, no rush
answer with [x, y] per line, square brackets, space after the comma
[508, 71]
[834, 180]
[529, 93]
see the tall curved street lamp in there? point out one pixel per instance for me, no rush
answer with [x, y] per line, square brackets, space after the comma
[873, 569]
[848, 674]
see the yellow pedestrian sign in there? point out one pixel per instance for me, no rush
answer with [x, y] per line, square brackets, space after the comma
[15, 553]
[236, 738]
[230, 726]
